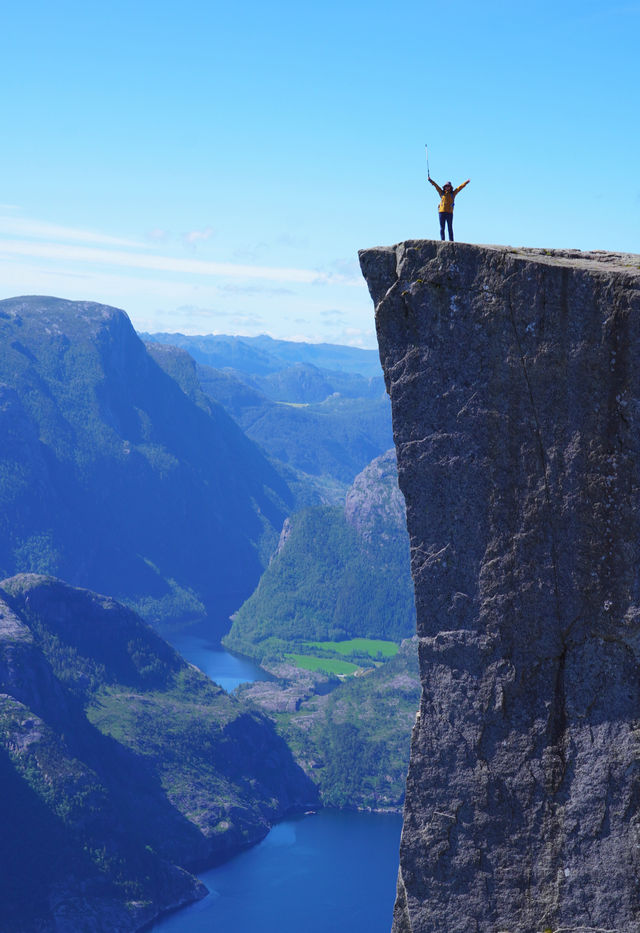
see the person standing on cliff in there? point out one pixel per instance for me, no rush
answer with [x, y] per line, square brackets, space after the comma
[445, 208]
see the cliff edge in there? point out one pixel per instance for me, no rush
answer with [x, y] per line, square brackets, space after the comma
[514, 377]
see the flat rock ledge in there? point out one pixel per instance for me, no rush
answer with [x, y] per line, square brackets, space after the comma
[514, 377]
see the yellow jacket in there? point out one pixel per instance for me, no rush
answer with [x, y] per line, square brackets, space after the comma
[447, 197]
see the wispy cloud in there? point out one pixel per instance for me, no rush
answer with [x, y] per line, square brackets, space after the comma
[84, 254]
[247, 319]
[233, 289]
[158, 235]
[164, 286]
[197, 236]
[43, 230]
[358, 337]
[346, 270]
[250, 252]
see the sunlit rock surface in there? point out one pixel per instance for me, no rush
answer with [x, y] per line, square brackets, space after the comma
[514, 377]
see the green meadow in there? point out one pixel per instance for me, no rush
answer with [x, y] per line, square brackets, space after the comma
[329, 665]
[373, 647]
[352, 655]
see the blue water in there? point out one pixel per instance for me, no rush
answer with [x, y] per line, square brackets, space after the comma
[228, 670]
[334, 872]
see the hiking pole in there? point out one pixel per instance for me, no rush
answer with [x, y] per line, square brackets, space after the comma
[426, 150]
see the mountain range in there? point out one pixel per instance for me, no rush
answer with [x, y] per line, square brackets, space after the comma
[112, 477]
[123, 768]
[260, 356]
[126, 468]
[292, 399]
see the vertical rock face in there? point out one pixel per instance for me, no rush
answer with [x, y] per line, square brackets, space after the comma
[514, 378]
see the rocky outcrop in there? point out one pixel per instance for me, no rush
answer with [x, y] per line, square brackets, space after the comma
[374, 505]
[122, 768]
[514, 378]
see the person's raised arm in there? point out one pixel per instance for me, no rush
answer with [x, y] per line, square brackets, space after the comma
[460, 187]
[437, 187]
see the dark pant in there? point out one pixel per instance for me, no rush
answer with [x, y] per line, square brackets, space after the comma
[446, 217]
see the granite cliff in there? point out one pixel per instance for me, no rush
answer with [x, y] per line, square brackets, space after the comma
[514, 377]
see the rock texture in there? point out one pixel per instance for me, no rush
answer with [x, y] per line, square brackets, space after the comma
[374, 505]
[122, 768]
[514, 377]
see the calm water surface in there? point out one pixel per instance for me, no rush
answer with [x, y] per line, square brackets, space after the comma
[228, 670]
[333, 872]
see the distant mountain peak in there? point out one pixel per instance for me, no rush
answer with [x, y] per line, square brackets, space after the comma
[374, 504]
[117, 473]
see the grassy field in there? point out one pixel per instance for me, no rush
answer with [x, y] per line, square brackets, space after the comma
[329, 665]
[373, 647]
[344, 657]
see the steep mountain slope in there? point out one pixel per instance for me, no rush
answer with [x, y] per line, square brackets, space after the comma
[339, 572]
[325, 422]
[121, 765]
[111, 476]
[336, 437]
[303, 489]
[303, 383]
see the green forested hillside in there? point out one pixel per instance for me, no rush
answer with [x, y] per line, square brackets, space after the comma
[121, 471]
[323, 421]
[351, 737]
[120, 764]
[302, 383]
[326, 619]
[338, 573]
[113, 477]
[354, 741]
[336, 437]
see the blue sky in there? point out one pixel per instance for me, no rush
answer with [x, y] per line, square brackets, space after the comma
[214, 168]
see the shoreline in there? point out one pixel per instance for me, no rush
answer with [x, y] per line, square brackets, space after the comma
[208, 865]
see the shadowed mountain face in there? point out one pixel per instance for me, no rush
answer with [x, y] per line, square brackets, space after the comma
[319, 409]
[121, 766]
[113, 477]
[514, 379]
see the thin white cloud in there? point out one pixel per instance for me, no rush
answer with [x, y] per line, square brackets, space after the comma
[197, 236]
[245, 318]
[62, 252]
[161, 302]
[42, 229]
[358, 337]
[233, 289]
